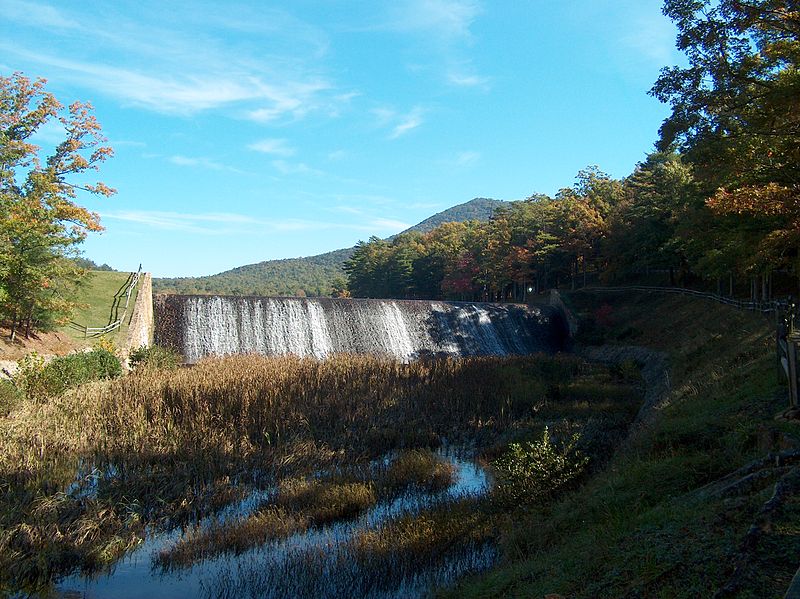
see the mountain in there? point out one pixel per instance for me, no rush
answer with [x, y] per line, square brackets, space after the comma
[310, 276]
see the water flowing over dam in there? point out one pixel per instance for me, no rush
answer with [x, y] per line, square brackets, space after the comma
[200, 326]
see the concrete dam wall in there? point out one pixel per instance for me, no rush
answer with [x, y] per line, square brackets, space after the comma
[200, 326]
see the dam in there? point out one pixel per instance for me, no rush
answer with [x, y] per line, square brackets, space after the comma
[200, 326]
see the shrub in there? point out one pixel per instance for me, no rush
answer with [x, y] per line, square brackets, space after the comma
[534, 472]
[38, 380]
[154, 356]
[29, 378]
[9, 397]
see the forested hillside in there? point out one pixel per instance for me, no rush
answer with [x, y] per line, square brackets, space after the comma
[311, 276]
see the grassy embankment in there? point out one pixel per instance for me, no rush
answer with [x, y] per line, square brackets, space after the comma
[673, 513]
[100, 300]
[83, 474]
[95, 299]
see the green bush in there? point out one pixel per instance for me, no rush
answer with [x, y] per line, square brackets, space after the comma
[39, 380]
[534, 472]
[154, 356]
[10, 396]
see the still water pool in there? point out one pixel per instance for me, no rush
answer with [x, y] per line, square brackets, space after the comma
[320, 562]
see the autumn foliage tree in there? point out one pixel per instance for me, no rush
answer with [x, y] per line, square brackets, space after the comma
[41, 223]
[736, 120]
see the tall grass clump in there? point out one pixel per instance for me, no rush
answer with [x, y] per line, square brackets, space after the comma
[420, 469]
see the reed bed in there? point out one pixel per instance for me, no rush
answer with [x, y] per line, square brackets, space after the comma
[169, 447]
[300, 504]
[405, 557]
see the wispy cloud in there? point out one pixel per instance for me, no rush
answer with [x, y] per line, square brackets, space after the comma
[182, 66]
[202, 162]
[126, 143]
[467, 158]
[39, 15]
[295, 168]
[464, 80]
[406, 122]
[443, 18]
[51, 133]
[444, 29]
[337, 155]
[277, 147]
[224, 223]
[177, 221]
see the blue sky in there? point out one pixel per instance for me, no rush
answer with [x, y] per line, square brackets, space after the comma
[259, 130]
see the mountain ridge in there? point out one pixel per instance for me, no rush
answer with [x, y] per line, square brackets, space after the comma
[309, 275]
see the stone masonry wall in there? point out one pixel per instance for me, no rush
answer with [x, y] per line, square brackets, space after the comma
[140, 330]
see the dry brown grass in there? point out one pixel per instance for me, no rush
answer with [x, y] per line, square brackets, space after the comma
[419, 468]
[171, 442]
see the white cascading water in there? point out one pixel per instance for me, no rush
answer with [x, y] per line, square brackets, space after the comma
[208, 325]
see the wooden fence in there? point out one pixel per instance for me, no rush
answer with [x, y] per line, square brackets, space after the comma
[788, 346]
[113, 326]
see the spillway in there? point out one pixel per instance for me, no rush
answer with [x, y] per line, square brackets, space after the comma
[200, 326]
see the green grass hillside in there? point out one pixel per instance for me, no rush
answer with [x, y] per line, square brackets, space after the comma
[97, 306]
[676, 512]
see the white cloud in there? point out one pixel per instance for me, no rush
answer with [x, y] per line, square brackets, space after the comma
[443, 29]
[177, 221]
[408, 122]
[294, 168]
[126, 143]
[201, 162]
[184, 65]
[278, 147]
[39, 15]
[222, 223]
[462, 80]
[349, 210]
[468, 158]
[51, 133]
[442, 18]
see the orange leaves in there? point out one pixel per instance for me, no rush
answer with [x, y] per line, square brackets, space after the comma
[101, 189]
[762, 200]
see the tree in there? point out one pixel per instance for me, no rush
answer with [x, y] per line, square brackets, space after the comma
[736, 119]
[647, 228]
[41, 224]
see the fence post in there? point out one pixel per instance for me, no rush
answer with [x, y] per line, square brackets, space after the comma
[780, 335]
[792, 341]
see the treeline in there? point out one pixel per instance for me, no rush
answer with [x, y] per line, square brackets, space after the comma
[656, 226]
[717, 205]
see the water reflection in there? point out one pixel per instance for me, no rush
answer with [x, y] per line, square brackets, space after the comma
[320, 562]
